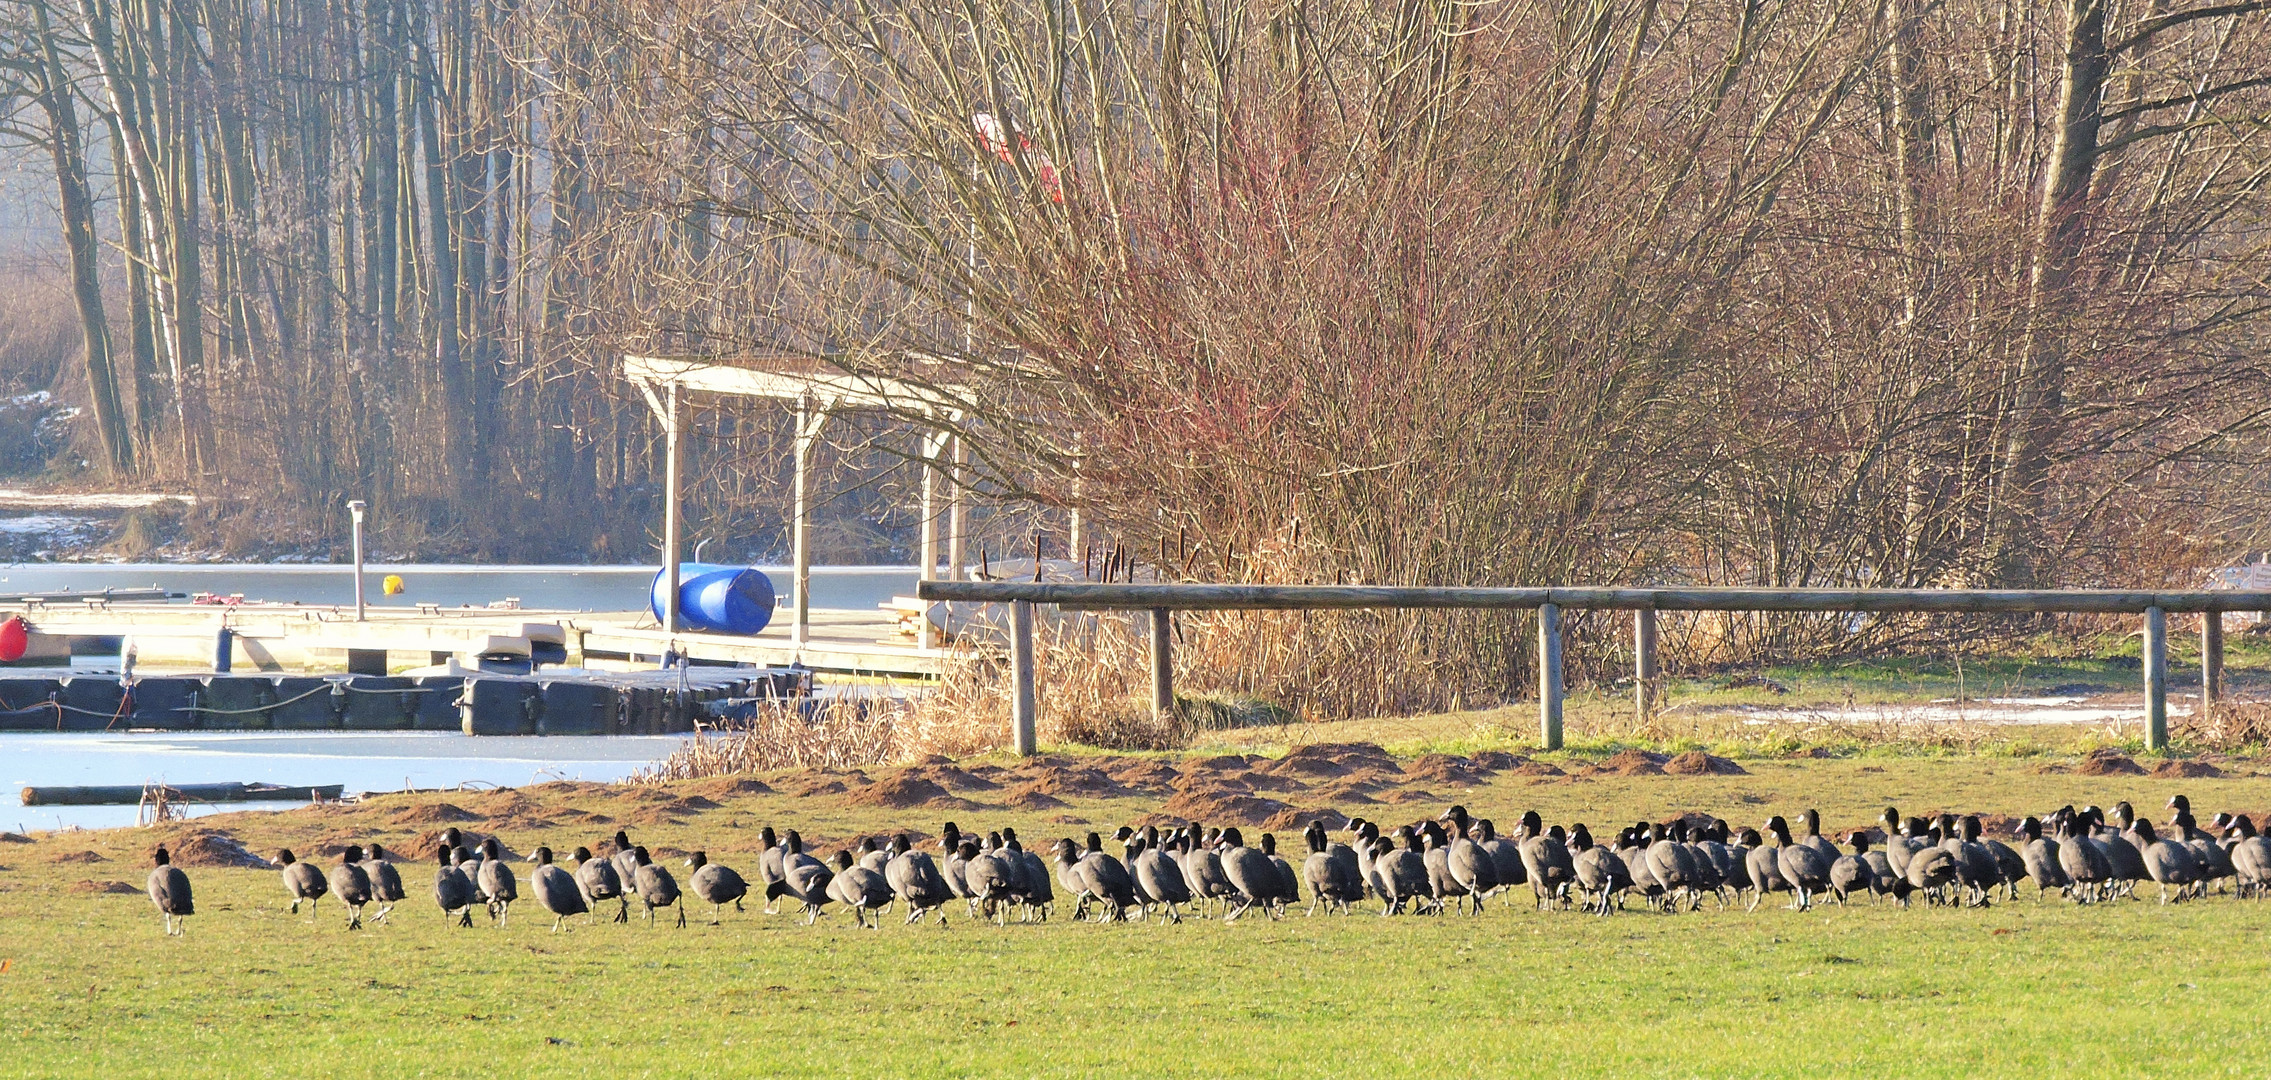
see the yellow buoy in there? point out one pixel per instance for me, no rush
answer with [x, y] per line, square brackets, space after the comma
[392, 586]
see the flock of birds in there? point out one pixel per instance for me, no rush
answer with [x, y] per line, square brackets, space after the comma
[1454, 862]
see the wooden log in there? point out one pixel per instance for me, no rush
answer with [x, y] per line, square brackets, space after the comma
[1645, 672]
[2156, 679]
[1549, 676]
[131, 794]
[1162, 665]
[1075, 595]
[2211, 661]
[1025, 708]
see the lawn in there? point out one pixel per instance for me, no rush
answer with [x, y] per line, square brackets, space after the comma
[89, 986]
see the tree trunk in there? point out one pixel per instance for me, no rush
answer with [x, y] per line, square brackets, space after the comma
[68, 149]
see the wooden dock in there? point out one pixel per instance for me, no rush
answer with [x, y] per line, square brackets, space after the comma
[298, 637]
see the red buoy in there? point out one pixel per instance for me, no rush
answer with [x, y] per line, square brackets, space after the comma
[14, 639]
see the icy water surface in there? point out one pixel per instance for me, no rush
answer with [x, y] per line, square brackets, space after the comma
[363, 761]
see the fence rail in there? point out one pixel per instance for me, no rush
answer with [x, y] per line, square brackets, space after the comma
[1162, 600]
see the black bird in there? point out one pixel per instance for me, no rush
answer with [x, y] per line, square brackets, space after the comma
[1399, 873]
[598, 880]
[860, 889]
[1251, 873]
[1333, 881]
[915, 879]
[557, 890]
[496, 880]
[655, 886]
[625, 860]
[1600, 873]
[452, 889]
[716, 885]
[301, 882]
[386, 882]
[351, 885]
[2041, 857]
[169, 891]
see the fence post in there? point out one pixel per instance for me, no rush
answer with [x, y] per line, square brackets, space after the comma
[1021, 665]
[1549, 675]
[1162, 666]
[1644, 668]
[2156, 679]
[2211, 661]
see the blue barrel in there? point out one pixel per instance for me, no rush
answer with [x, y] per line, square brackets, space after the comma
[715, 599]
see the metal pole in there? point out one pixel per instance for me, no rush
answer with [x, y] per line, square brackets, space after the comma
[1162, 665]
[800, 629]
[355, 510]
[671, 540]
[1021, 665]
[2156, 679]
[1645, 672]
[1549, 675]
[2211, 661]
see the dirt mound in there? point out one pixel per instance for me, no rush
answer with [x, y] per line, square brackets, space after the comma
[932, 759]
[423, 846]
[15, 838]
[1228, 808]
[1031, 797]
[1403, 796]
[1698, 763]
[1359, 794]
[76, 857]
[821, 787]
[1219, 761]
[440, 813]
[1498, 760]
[2051, 768]
[1445, 769]
[953, 779]
[907, 791]
[1332, 759]
[697, 802]
[1074, 782]
[1634, 763]
[2185, 770]
[1537, 768]
[1145, 775]
[2109, 763]
[208, 848]
[102, 887]
[1293, 821]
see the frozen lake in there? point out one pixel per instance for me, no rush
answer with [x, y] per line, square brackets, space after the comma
[363, 761]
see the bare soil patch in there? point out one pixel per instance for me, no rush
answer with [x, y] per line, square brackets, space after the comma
[1031, 797]
[1698, 763]
[1537, 768]
[76, 857]
[1293, 821]
[906, 791]
[2109, 763]
[1406, 796]
[104, 887]
[1634, 763]
[207, 847]
[2186, 769]
[1447, 769]
[1228, 807]
[433, 814]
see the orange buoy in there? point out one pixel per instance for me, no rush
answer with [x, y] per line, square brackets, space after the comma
[14, 639]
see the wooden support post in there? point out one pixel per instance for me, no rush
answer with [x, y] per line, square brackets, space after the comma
[673, 455]
[2211, 661]
[1549, 676]
[1162, 665]
[1021, 668]
[1645, 672]
[926, 543]
[2156, 679]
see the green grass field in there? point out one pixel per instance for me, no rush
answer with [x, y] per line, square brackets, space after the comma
[91, 987]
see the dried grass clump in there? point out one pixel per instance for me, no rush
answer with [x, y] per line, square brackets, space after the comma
[2225, 727]
[839, 733]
